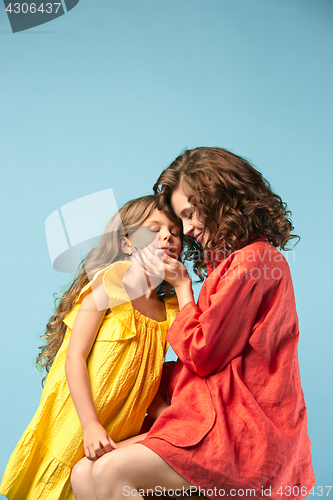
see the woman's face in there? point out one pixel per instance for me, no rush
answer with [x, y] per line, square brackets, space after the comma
[158, 232]
[192, 226]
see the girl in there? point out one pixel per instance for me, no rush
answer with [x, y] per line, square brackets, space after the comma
[237, 422]
[104, 353]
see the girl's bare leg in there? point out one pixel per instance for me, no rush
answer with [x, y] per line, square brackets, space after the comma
[124, 471]
[81, 480]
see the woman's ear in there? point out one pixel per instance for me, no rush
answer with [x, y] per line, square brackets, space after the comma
[125, 245]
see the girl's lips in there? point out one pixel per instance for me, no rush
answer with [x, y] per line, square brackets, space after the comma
[198, 236]
[169, 250]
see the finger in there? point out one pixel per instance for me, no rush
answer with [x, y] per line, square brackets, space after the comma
[167, 257]
[107, 447]
[92, 455]
[152, 264]
[146, 249]
[139, 260]
[150, 254]
[171, 255]
[99, 452]
[145, 252]
[152, 257]
[139, 257]
[146, 260]
[87, 453]
[113, 444]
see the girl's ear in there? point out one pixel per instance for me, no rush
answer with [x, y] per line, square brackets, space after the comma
[125, 245]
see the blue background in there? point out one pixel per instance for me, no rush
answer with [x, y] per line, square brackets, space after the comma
[108, 94]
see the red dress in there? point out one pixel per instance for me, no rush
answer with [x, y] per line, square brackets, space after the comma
[237, 420]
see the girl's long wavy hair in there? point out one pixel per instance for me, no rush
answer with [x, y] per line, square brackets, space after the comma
[123, 224]
[233, 200]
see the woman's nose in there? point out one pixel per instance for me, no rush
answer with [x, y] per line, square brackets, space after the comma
[187, 228]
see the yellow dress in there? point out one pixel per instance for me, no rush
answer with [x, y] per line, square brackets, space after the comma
[124, 366]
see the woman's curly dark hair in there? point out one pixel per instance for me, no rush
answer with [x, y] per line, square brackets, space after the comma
[233, 200]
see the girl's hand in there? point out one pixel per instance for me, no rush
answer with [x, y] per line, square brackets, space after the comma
[162, 266]
[97, 441]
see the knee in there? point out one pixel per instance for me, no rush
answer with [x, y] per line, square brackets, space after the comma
[80, 474]
[108, 474]
[104, 468]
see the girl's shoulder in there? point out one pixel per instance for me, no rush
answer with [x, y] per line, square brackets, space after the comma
[113, 282]
[111, 277]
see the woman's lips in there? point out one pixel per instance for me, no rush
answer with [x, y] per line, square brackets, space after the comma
[198, 236]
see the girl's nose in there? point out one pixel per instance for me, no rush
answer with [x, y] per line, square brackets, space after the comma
[166, 236]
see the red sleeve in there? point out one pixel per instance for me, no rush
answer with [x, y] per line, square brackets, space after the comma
[207, 341]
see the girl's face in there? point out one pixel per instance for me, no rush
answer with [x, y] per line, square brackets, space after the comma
[192, 226]
[158, 232]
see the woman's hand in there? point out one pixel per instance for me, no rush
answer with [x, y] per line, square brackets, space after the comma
[168, 269]
[161, 265]
[97, 441]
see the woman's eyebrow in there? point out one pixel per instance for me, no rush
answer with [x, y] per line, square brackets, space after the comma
[184, 211]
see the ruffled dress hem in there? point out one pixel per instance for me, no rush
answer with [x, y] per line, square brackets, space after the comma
[34, 473]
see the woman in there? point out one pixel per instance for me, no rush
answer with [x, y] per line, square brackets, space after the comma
[236, 425]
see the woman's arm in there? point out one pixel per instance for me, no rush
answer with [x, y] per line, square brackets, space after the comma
[207, 341]
[84, 331]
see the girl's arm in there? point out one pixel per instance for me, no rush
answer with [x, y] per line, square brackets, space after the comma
[97, 442]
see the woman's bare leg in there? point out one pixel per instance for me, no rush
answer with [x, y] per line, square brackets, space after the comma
[125, 471]
[81, 480]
